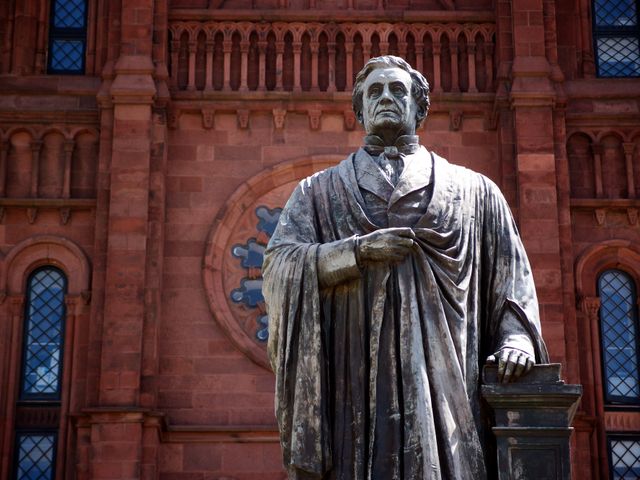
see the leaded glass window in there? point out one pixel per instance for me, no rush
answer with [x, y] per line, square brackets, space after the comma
[624, 457]
[43, 335]
[67, 36]
[617, 37]
[35, 456]
[619, 337]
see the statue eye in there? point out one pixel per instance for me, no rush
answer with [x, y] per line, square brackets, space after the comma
[374, 91]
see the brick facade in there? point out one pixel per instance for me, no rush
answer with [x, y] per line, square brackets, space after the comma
[139, 179]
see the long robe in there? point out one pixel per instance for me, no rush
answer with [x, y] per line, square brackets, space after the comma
[378, 377]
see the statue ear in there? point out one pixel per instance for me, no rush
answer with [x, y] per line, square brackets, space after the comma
[359, 116]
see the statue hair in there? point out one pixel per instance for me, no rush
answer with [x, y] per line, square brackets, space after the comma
[419, 85]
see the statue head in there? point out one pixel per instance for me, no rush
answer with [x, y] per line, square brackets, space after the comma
[389, 97]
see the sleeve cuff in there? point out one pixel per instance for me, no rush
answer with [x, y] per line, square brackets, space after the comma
[338, 262]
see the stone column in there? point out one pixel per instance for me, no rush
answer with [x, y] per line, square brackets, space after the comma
[629, 148]
[488, 61]
[226, 48]
[244, 65]
[532, 425]
[4, 152]
[590, 309]
[471, 55]
[297, 50]
[597, 169]
[315, 46]
[116, 418]
[332, 66]
[455, 75]
[437, 67]
[36, 148]
[349, 70]
[420, 58]
[69, 145]
[262, 66]
[208, 74]
[175, 60]
[191, 84]
[279, 64]
[12, 328]
[532, 100]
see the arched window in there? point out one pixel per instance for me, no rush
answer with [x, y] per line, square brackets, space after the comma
[38, 408]
[67, 36]
[619, 338]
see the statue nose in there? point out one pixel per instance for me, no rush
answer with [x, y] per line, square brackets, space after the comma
[386, 95]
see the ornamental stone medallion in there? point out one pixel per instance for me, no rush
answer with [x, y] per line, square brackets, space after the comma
[232, 264]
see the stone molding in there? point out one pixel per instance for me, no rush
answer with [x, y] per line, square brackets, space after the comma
[45, 250]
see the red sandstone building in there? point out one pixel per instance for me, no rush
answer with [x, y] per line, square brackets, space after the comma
[146, 147]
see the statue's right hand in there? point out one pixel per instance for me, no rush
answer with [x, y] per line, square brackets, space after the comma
[386, 245]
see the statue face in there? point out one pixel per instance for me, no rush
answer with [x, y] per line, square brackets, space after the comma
[388, 108]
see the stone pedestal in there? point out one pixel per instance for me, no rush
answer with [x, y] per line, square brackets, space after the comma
[532, 423]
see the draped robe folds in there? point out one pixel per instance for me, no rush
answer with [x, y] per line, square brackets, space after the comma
[377, 377]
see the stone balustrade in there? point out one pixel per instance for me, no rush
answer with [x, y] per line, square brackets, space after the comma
[324, 57]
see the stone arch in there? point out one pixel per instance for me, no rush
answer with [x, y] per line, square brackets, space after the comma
[56, 130]
[42, 250]
[620, 254]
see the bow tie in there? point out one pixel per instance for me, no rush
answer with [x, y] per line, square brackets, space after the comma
[405, 145]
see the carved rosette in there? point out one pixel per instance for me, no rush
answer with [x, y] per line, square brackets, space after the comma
[232, 264]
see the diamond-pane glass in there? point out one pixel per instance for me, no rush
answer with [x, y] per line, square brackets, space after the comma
[44, 334]
[67, 55]
[619, 336]
[618, 57]
[69, 13]
[615, 13]
[35, 456]
[625, 458]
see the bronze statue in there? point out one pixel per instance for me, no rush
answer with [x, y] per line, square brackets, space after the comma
[389, 281]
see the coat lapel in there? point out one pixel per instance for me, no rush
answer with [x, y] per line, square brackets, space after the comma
[416, 175]
[370, 177]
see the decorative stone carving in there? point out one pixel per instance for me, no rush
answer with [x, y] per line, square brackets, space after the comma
[315, 117]
[243, 118]
[232, 265]
[350, 120]
[65, 215]
[173, 117]
[455, 120]
[208, 118]
[32, 214]
[279, 114]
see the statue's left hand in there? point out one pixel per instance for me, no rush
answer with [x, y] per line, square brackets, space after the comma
[512, 363]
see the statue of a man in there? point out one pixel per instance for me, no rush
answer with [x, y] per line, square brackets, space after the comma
[389, 281]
